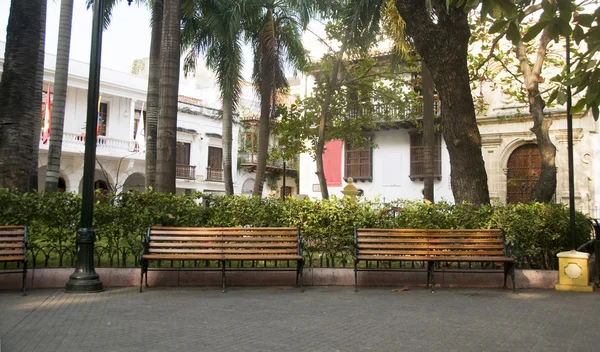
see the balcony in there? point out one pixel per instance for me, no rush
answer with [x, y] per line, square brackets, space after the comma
[214, 175]
[105, 146]
[186, 172]
[249, 161]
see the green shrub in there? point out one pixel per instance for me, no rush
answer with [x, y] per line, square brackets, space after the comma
[536, 231]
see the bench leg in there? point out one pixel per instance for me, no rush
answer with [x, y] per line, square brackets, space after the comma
[223, 275]
[355, 276]
[146, 274]
[301, 276]
[24, 284]
[431, 273]
[141, 275]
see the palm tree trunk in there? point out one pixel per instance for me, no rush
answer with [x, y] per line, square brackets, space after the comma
[264, 132]
[267, 64]
[227, 145]
[60, 95]
[37, 127]
[19, 92]
[169, 87]
[443, 47]
[152, 97]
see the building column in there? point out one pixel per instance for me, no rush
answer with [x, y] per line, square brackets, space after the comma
[132, 118]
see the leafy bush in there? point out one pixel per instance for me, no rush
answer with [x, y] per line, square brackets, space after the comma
[536, 231]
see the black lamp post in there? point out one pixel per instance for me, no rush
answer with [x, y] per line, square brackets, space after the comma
[283, 156]
[570, 150]
[85, 279]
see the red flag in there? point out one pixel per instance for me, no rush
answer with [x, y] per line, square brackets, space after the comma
[98, 119]
[46, 118]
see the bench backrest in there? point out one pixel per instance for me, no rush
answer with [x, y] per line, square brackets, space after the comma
[13, 243]
[430, 242]
[224, 240]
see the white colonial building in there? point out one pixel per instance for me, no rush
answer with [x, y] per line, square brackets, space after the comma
[120, 153]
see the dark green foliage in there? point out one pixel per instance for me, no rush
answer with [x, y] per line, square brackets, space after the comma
[536, 231]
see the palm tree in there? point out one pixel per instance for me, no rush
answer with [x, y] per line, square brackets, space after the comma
[152, 94]
[215, 30]
[60, 94]
[168, 94]
[276, 37]
[19, 91]
[37, 123]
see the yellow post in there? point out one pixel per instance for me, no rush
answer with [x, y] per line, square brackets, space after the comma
[350, 191]
[573, 272]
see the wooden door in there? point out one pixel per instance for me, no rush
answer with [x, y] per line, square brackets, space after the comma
[524, 169]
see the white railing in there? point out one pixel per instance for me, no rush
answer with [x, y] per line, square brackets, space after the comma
[104, 145]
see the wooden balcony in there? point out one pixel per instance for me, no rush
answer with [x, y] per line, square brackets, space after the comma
[214, 175]
[250, 161]
[187, 172]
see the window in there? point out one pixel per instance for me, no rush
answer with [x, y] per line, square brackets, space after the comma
[214, 171]
[182, 159]
[102, 118]
[359, 163]
[136, 122]
[183, 153]
[417, 162]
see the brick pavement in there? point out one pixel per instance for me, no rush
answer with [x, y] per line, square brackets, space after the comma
[284, 319]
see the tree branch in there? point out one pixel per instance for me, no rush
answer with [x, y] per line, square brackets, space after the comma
[490, 55]
[508, 70]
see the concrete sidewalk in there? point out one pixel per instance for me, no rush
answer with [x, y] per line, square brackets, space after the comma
[284, 319]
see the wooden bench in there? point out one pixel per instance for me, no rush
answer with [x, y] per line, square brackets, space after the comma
[224, 245]
[433, 246]
[13, 248]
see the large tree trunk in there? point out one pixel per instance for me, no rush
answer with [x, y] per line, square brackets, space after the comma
[152, 97]
[60, 95]
[227, 144]
[443, 47]
[267, 64]
[169, 88]
[19, 92]
[544, 188]
[37, 123]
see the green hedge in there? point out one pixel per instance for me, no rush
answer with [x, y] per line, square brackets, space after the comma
[536, 231]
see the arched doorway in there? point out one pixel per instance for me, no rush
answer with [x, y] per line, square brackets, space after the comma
[524, 169]
[136, 182]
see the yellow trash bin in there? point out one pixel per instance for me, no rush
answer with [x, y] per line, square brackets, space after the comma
[573, 272]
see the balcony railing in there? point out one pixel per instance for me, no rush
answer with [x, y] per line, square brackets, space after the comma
[187, 172]
[104, 145]
[215, 175]
[252, 159]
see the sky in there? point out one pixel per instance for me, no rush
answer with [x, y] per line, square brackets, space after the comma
[127, 38]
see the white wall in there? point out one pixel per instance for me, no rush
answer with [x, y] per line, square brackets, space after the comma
[391, 169]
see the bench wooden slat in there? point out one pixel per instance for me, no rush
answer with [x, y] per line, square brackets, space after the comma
[423, 246]
[11, 252]
[12, 239]
[443, 258]
[225, 233]
[224, 229]
[428, 252]
[12, 245]
[220, 257]
[222, 251]
[14, 258]
[394, 257]
[230, 245]
[12, 233]
[223, 245]
[221, 239]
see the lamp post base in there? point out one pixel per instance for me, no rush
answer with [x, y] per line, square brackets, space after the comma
[83, 285]
[84, 279]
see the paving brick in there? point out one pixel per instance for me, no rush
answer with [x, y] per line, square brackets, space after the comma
[284, 319]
